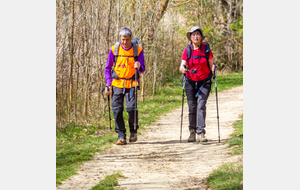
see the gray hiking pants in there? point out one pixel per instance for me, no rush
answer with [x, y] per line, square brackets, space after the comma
[117, 104]
[197, 105]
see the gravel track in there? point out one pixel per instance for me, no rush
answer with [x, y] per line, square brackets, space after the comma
[158, 160]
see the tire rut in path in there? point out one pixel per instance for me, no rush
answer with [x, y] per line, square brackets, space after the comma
[158, 160]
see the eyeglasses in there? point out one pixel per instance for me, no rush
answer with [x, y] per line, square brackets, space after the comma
[194, 35]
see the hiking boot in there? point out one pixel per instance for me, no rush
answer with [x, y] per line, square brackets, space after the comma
[192, 137]
[121, 141]
[201, 138]
[133, 137]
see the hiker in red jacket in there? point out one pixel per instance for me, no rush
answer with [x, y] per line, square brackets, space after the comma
[197, 65]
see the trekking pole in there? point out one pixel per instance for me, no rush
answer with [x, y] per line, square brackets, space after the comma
[183, 77]
[135, 107]
[215, 76]
[108, 100]
[182, 109]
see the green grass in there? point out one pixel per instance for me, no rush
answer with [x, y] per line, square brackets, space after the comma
[225, 82]
[236, 142]
[230, 176]
[76, 144]
[227, 177]
[108, 183]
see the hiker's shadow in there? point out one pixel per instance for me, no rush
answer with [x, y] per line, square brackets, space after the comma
[210, 142]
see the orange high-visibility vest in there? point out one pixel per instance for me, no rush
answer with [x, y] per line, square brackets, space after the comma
[124, 68]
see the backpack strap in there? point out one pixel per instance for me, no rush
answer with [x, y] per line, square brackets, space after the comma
[207, 50]
[135, 51]
[201, 87]
[116, 53]
[188, 52]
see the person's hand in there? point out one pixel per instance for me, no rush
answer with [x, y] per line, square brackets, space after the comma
[213, 69]
[137, 65]
[182, 69]
[108, 92]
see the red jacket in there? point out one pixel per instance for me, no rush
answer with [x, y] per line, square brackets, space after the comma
[198, 63]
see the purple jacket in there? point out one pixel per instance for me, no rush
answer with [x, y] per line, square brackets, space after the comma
[110, 62]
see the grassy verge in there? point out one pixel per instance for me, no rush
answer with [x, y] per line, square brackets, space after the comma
[76, 144]
[228, 81]
[108, 183]
[236, 142]
[229, 176]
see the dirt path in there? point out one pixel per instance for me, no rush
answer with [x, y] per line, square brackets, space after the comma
[158, 160]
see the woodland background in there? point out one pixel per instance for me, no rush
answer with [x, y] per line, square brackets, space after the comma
[86, 30]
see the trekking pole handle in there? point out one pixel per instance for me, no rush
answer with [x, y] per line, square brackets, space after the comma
[104, 88]
[216, 67]
[215, 71]
[186, 68]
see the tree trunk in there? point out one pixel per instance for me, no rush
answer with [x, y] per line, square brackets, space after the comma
[108, 26]
[75, 102]
[118, 21]
[229, 46]
[142, 45]
[71, 62]
[172, 53]
[163, 59]
[160, 13]
[89, 68]
[154, 68]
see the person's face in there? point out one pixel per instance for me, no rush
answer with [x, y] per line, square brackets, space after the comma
[196, 37]
[126, 41]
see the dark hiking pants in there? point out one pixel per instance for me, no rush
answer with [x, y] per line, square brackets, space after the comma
[117, 104]
[197, 105]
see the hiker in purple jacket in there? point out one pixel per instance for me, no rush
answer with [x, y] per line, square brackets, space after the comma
[123, 59]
